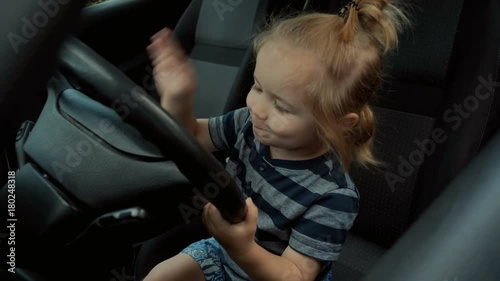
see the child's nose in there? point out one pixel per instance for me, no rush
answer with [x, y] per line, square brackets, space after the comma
[259, 110]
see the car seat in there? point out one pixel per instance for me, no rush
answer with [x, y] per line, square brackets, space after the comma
[217, 35]
[446, 62]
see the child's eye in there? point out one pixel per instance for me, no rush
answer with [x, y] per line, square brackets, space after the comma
[279, 108]
[256, 88]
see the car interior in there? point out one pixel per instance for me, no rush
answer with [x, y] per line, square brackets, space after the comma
[102, 172]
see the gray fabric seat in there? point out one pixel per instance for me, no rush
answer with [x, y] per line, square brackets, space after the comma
[420, 137]
[217, 36]
[357, 257]
[221, 41]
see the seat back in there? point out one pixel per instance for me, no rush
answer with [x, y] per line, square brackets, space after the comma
[434, 112]
[217, 36]
[407, 110]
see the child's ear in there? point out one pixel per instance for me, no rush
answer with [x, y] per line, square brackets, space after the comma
[349, 120]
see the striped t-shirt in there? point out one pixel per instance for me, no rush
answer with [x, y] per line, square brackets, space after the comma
[308, 205]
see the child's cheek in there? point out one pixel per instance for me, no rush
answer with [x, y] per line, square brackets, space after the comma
[279, 123]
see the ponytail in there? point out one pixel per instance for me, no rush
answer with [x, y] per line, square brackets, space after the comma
[380, 20]
[362, 137]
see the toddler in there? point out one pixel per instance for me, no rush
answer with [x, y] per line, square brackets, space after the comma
[307, 119]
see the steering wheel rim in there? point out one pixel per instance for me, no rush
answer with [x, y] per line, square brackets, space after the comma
[156, 125]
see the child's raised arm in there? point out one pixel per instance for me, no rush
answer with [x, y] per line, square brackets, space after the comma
[175, 82]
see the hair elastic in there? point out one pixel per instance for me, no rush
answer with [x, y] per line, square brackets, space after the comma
[344, 12]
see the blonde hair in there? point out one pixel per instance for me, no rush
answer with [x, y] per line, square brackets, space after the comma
[351, 49]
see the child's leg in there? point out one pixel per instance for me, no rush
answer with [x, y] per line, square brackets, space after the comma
[178, 268]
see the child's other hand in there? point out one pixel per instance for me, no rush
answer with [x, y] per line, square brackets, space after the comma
[235, 238]
[173, 74]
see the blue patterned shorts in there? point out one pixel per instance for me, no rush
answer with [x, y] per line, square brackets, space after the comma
[208, 254]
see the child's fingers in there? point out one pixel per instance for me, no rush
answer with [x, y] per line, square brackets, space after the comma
[164, 39]
[216, 218]
[168, 54]
[157, 41]
[204, 216]
[157, 57]
[164, 32]
[159, 50]
[168, 68]
[252, 214]
[171, 48]
[171, 42]
[169, 62]
[152, 51]
[158, 44]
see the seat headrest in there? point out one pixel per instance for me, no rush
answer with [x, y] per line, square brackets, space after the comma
[228, 23]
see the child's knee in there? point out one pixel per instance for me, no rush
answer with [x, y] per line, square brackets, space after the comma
[176, 268]
[155, 274]
[161, 272]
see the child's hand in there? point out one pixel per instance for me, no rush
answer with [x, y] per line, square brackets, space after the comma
[235, 238]
[173, 74]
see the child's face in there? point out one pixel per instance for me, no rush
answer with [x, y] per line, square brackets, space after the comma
[277, 102]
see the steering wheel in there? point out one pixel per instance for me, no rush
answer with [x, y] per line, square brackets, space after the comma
[48, 215]
[196, 163]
